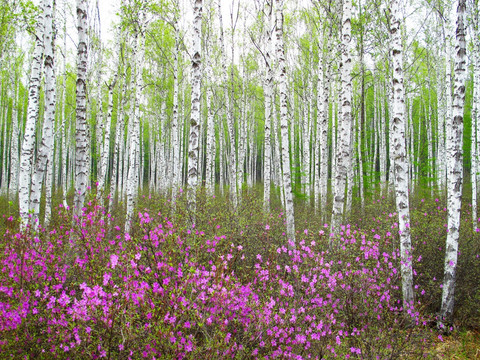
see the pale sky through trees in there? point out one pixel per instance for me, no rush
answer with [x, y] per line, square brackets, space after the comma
[416, 17]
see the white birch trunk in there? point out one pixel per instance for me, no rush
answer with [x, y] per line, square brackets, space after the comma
[324, 140]
[14, 155]
[454, 169]
[135, 159]
[319, 135]
[81, 138]
[175, 141]
[45, 151]
[192, 177]
[476, 93]
[343, 154]
[399, 155]
[28, 145]
[117, 161]
[210, 170]
[278, 155]
[232, 161]
[50, 103]
[475, 117]
[287, 181]
[268, 91]
[305, 146]
[105, 149]
[242, 146]
[442, 113]
[383, 141]
[360, 163]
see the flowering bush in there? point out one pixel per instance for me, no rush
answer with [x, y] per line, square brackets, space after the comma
[85, 289]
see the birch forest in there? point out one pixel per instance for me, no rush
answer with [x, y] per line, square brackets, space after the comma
[251, 179]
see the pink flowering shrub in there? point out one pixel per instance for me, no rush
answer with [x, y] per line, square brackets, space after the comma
[85, 289]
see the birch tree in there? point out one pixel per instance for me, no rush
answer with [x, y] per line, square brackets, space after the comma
[454, 170]
[192, 177]
[343, 154]
[400, 156]
[45, 152]
[13, 184]
[81, 134]
[133, 177]
[282, 84]
[268, 92]
[176, 169]
[232, 159]
[28, 145]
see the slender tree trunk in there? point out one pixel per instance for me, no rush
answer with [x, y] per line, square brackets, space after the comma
[105, 153]
[81, 138]
[135, 157]
[45, 152]
[65, 133]
[117, 163]
[51, 103]
[192, 177]
[475, 116]
[454, 169]
[14, 155]
[287, 180]
[176, 172]
[210, 170]
[400, 159]
[28, 145]
[232, 161]
[343, 155]
[268, 91]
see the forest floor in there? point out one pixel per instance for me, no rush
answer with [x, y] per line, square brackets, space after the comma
[229, 284]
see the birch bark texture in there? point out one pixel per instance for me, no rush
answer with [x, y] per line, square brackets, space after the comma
[81, 132]
[282, 85]
[343, 154]
[133, 178]
[45, 151]
[399, 155]
[268, 91]
[28, 145]
[454, 170]
[192, 177]
[232, 159]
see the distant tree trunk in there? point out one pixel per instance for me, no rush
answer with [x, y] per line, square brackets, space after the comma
[454, 169]
[232, 160]
[14, 155]
[192, 176]
[81, 138]
[65, 137]
[383, 138]
[117, 161]
[287, 179]
[28, 145]
[105, 153]
[360, 163]
[343, 156]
